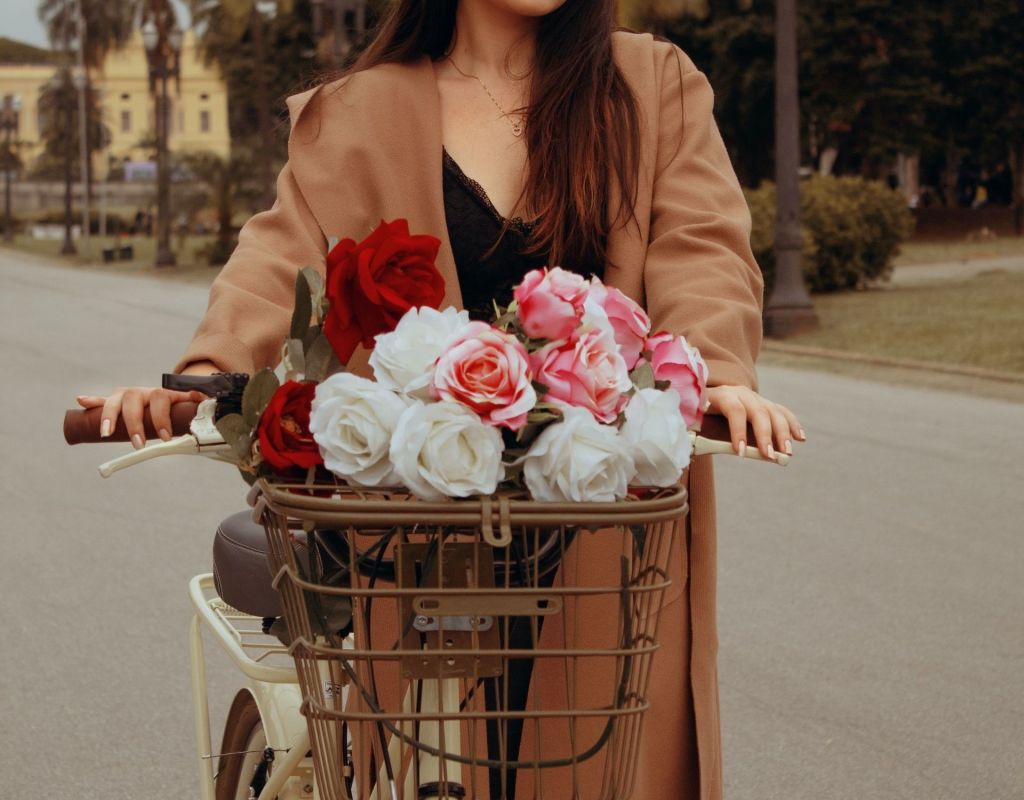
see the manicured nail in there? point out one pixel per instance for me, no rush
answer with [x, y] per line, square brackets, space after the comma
[137, 441]
[789, 447]
[163, 433]
[105, 429]
[742, 449]
[802, 434]
[771, 452]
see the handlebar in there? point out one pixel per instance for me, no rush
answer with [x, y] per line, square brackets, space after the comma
[83, 426]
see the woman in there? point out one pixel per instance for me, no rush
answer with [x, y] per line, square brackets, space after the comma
[589, 149]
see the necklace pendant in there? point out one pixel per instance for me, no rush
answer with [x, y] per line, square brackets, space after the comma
[517, 128]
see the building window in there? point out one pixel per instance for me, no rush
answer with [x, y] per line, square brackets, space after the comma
[126, 121]
[204, 121]
[204, 96]
[124, 95]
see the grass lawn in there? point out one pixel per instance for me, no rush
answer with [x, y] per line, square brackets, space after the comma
[931, 252]
[190, 266]
[977, 322]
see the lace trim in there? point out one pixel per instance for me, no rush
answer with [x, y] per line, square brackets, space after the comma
[480, 195]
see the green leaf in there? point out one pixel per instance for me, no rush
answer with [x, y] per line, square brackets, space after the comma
[303, 306]
[316, 283]
[296, 359]
[321, 360]
[643, 376]
[332, 242]
[237, 433]
[257, 394]
[279, 628]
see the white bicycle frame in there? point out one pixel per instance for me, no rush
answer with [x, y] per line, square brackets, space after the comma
[262, 660]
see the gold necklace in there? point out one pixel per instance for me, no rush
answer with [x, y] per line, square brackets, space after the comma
[516, 121]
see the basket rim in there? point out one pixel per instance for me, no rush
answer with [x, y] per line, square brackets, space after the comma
[369, 506]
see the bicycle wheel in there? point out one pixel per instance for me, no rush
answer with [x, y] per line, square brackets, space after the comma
[238, 768]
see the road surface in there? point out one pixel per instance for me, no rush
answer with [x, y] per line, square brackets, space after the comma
[871, 607]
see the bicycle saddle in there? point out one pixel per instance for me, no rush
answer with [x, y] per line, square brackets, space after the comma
[241, 571]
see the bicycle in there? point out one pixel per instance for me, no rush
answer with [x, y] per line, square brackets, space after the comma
[452, 709]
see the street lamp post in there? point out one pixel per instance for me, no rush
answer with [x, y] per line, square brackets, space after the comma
[9, 121]
[81, 83]
[162, 40]
[789, 310]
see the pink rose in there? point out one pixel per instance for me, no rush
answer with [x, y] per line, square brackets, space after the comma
[549, 302]
[675, 361]
[608, 308]
[488, 371]
[585, 372]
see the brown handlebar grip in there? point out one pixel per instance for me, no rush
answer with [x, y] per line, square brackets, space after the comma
[715, 426]
[82, 426]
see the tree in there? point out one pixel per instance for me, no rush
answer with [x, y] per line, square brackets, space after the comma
[59, 122]
[226, 181]
[868, 78]
[108, 26]
[225, 26]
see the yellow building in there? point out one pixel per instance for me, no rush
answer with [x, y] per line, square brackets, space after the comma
[199, 104]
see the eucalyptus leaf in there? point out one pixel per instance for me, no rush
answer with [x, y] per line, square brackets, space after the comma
[257, 394]
[643, 376]
[316, 283]
[279, 628]
[319, 358]
[303, 306]
[296, 352]
[235, 430]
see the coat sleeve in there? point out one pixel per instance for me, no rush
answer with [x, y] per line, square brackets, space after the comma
[700, 276]
[252, 298]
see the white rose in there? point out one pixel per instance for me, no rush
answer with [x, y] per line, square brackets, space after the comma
[657, 437]
[444, 450]
[578, 460]
[404, 359]
[352, 419]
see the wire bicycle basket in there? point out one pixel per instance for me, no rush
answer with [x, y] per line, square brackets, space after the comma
[486, 648]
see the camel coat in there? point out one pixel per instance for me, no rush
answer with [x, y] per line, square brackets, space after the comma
[369, 148]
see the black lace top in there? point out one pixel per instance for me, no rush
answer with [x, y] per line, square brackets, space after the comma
[474, 225]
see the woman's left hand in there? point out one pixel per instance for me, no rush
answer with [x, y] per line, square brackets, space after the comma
[774, 425]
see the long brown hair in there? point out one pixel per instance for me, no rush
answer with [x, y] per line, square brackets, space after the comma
[583, 132]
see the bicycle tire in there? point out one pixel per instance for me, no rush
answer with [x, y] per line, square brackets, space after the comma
[242, 747]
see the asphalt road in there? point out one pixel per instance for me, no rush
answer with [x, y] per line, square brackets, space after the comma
[871, 607]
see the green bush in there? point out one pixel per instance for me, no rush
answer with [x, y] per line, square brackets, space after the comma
[852, 230]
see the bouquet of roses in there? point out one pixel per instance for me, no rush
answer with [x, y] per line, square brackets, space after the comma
[567, 392]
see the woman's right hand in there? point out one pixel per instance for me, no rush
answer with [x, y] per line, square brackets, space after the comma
[132, 401]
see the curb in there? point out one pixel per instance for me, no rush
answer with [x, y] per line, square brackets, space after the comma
[775, 346]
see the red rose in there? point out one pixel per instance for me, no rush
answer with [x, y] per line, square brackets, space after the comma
[370, 285]
[285, 440]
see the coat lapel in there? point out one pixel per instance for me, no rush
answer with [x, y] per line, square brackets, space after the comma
[368, 148]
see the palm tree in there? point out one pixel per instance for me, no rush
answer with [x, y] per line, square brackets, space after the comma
[222, 25]
[59, 131]
[108, 26]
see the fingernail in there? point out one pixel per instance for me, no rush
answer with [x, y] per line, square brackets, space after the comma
[80, 396]
[105, 429]
[163, 433]
[802, 434]
[137, 441]
[789, 447]
[742, 449]
[771, 452]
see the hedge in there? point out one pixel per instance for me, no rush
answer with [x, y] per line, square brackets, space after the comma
[852, 230]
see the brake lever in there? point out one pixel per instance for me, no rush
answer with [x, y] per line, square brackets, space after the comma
[703, 446]
[203, 438]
